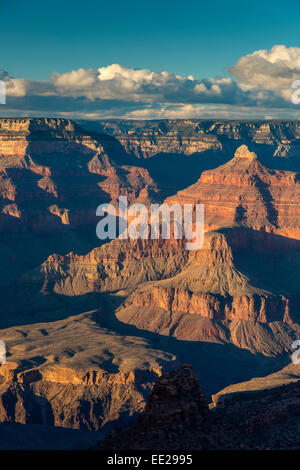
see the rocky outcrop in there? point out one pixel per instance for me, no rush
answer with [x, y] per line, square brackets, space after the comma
[52, 173]
[120, 264]
[175, 402]
[267, 419]
[218, 297]
[72, 399]
[176, 398]
[200, 296]
[243, 192]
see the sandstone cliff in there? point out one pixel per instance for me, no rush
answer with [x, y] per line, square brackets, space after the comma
[244, 192]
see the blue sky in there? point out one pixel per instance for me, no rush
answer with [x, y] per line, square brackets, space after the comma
[196, 38]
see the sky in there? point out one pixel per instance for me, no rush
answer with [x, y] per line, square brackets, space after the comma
[150, 59]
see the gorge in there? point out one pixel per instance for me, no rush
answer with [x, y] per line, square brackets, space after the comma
[90, 326]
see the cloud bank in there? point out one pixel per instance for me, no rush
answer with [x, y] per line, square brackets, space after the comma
[260, 86]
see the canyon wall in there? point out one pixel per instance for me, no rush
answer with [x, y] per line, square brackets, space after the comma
[145, 139]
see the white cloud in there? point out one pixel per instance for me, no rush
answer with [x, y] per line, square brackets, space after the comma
[216, 111]
[272, 70]
[262, 87]
[76, 80]
[124, 83]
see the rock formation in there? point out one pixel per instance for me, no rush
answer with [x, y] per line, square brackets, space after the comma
[267, 419]
[89, 328]
[244, 192]
[214, 294]
[73, 373]
[146, 139]
[54, 174]
[176, 398]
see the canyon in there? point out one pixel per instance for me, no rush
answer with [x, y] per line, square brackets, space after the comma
[91, 326]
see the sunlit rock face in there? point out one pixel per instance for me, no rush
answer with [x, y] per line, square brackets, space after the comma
[52, 174]
[243, 192]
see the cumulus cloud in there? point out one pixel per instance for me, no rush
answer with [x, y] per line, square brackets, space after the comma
[260, 85]
[272, 70]
[124, 83]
